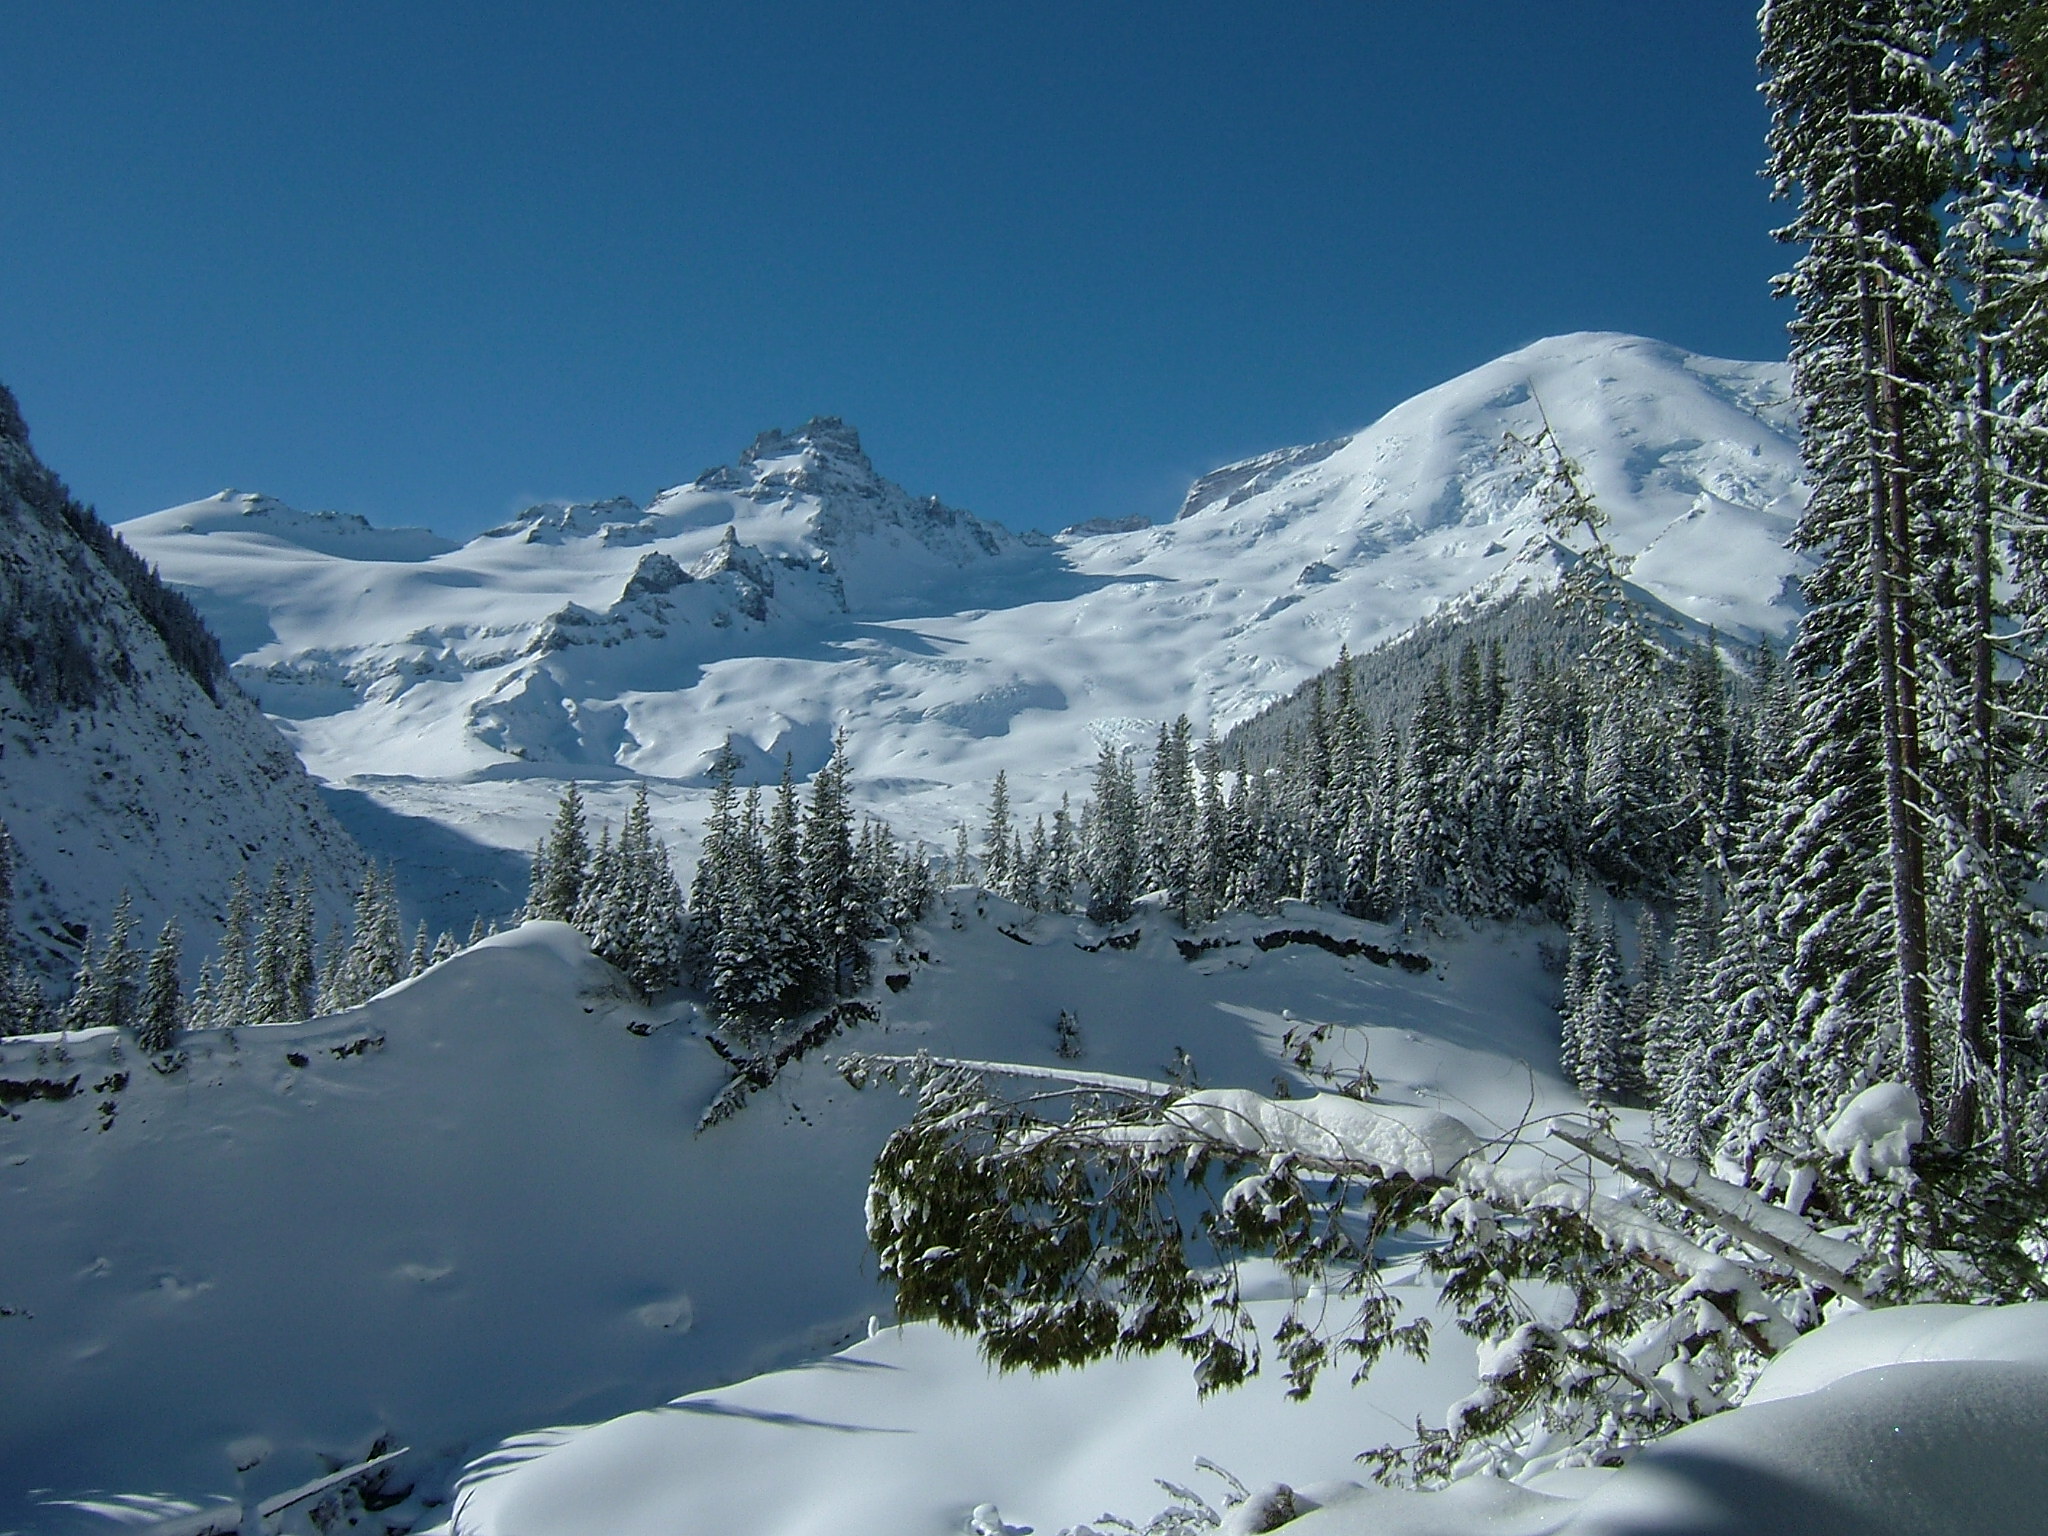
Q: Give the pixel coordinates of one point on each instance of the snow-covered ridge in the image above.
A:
(821, 594)
(125, 761)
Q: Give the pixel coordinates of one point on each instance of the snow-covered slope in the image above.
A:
(127, 758)
(798, 590)
(902, 1432)
(476, 1207)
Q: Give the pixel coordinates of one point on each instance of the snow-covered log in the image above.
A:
(1770, 1229)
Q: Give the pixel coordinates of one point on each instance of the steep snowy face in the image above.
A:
(128, 759)
(1694, 459)
(798, 590)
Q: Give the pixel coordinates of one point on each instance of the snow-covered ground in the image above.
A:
(1919, 1421)
(799, 590)
(477, 1207)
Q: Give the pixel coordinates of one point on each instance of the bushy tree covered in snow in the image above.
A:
(160, 1012)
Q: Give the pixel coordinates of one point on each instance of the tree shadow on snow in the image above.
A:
(717, 1409)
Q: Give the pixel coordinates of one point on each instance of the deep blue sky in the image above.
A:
(430, 261)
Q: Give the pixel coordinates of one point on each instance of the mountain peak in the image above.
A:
(822, 437)
(823, 455)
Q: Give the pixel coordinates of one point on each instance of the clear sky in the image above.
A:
(431, 261)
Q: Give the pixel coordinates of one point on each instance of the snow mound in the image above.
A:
(1876, 1130)
(1863, 1341)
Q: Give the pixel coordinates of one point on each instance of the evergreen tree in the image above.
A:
(160, 1015)
(1114, 852)
(231, 994)
(995, 838)
(601, 907)
(1060, 860)
(1857, 127)
(1170, 824)
(749, 976)
(913, 889)
(562, 862)
(716, 859)
(301, 965)
(200, 1013)
(269, 988)
(839, 922)
(375, 957)
(22, 1008)
(107, 984)
(652, 922)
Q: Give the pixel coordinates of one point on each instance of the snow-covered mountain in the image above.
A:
(128, 759)
(797, 591)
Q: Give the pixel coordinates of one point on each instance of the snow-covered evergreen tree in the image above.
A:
(107, 983)
(231, 989)
(995, 837)
(839, 922)
(22, 1008)
(269, 985)
(160, 1013)
(562, 862)
(1114, 849)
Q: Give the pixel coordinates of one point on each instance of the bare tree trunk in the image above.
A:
(1890, 578)
(1977, 1004)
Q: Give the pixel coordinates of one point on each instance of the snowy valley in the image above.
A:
(517, 1248)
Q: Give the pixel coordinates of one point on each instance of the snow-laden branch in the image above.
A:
(1329, 1131)
(1108, 1082)
(1627, 1229)
(1770, 1229)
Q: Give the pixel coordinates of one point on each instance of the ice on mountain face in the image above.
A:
(126, 760)
(1233, 483)
(825, 595)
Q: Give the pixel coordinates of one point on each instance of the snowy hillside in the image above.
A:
(127, 758)
(476, 1207)
(798, 590)
(889, 1435)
